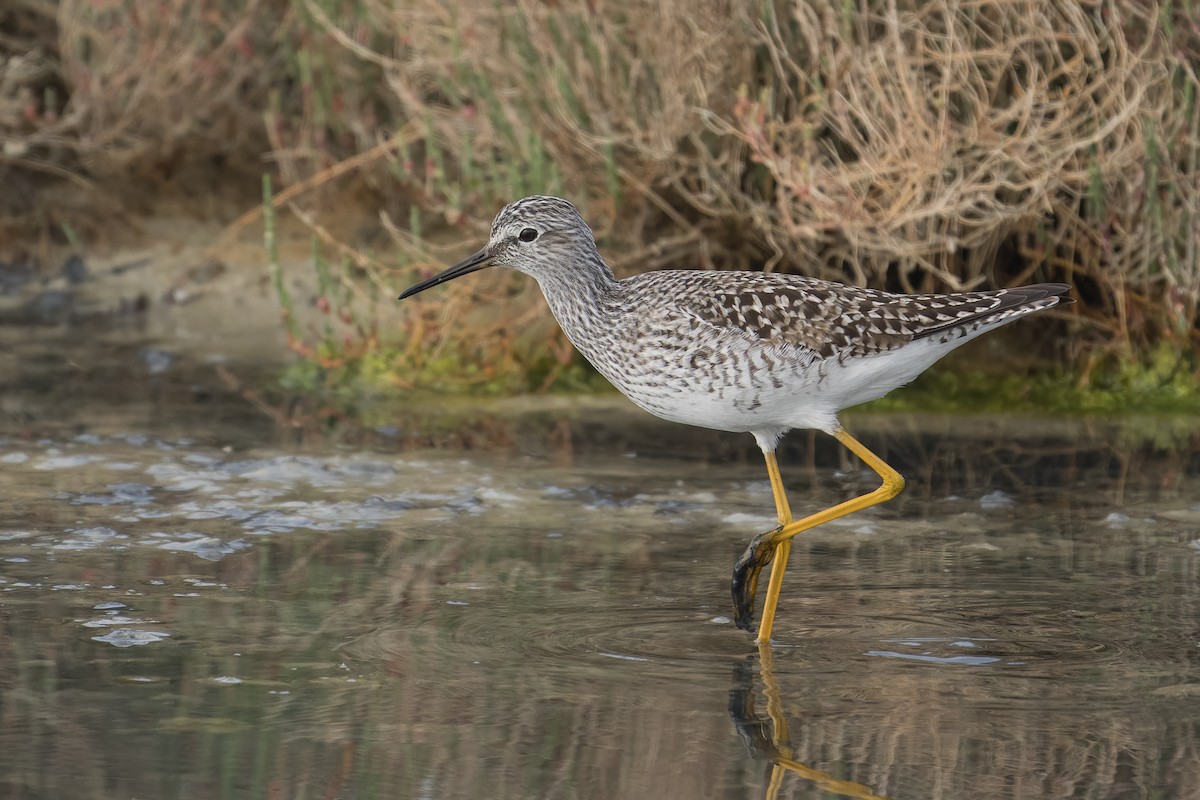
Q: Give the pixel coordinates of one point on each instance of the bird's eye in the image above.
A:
(527, 235)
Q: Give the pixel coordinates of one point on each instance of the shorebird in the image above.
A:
(751, 352)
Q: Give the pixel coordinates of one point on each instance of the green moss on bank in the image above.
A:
(1167, 382)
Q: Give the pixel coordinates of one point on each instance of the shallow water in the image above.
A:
(235, 614)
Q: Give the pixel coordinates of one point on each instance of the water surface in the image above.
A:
(196, 605)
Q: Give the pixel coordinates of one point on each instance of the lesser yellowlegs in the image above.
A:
(751, 352)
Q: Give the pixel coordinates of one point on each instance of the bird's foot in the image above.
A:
(744, 585)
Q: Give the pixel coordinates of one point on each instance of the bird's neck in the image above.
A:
(578, 295)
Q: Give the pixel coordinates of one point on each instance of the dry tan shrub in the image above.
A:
(943, 126)
(594, 100)
(156, 82)
(31, 131)
(911, 144)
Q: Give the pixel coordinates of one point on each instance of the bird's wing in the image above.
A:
(832, 319)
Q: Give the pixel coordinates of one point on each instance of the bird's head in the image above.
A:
(536, 235)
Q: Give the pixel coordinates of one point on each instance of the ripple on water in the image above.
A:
(117, 494)
(131, 637)
(89, 539)
(1015, 638)
(208, 548)
(935, 650)
(55, 461)
(572, 644)
(312, 471)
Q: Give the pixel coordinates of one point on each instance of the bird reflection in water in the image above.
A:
(767, 739)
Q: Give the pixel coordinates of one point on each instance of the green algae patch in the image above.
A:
(1167, 382)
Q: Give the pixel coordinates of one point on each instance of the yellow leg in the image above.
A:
(893, 482)
(782, 552)
(781, 502)
(776, 544)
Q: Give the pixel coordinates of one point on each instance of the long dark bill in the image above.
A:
(468, 265)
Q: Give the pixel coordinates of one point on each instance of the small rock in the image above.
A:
(75, 270)
(157, 361)
(996, 499)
